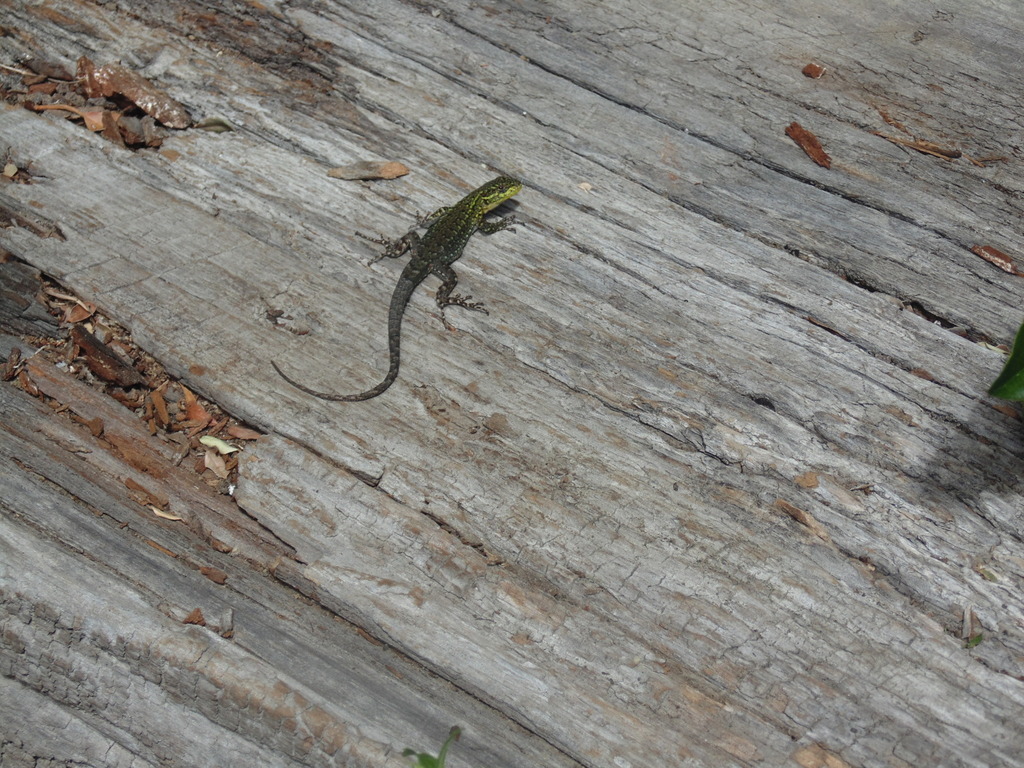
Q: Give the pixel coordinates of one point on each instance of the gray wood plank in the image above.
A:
(99, 665)
(701, 487)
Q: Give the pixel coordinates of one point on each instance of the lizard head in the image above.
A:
(497, 191)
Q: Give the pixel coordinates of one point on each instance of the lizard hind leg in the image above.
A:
(445, 297)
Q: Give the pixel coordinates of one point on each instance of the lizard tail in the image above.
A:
(387, 382)
(394, 355)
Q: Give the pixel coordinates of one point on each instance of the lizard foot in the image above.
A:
(392, 248)
(464, 301)
(490, 227)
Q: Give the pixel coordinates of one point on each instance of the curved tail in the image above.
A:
(394, 355)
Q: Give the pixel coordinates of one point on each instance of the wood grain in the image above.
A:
(715, 483)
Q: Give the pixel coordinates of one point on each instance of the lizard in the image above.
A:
(448, 232)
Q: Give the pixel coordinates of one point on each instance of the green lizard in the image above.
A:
(448, 231)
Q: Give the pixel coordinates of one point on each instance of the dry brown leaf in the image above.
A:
(997, 257)
(79, 312)
(160, 405)
(26, 383)
(10, 367)
(196, 414)
(102, 361)
(216, 575)
(243, 433)
(67, 310)
(45, 88)
(45, 68)
(116, 80)
(369, 169)
(93, 116)
(215, 463)
(111, 131)
(809, 143)
(193, 414)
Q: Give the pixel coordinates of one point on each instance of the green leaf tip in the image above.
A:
(425, 760)
(1009, 385)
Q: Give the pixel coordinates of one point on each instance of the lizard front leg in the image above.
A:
(490, 227)
(445, 297)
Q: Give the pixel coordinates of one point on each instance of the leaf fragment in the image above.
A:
(809, 143)
(369, 169)
(997, 257)
(160, 405)
(27, 384)
(195, 414)
(12, 365)
(116, 80)
(239, 432)
(165, 515)
(221, 446)
(102, 361)
(1009, 384)
(216, 464)
(92, 116)
(216, 575)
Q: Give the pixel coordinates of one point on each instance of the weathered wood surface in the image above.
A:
(575, 523)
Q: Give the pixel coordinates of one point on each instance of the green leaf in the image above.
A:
(425, 760)
(1009, 385)
(453, 735)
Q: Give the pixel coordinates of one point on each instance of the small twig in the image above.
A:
(925, 147)
(16, 70)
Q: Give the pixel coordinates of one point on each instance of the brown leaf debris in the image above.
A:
(102, 361)
(809, 143)
(997, 257)
(116, 80)
(368, 169)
